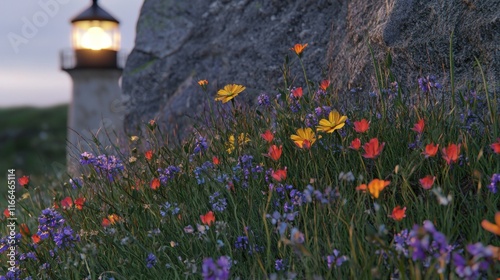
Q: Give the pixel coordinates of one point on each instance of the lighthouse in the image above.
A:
(95, 67)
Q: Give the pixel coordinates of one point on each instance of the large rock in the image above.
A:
(179, 42)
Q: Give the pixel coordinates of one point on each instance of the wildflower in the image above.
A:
(152, 125)
(279, 175)
(296, 241)
(148, 155)
(23, 181)
(66, 203)
(373, 148)
(304, 138)
(492, 227)
(299, 48)
(496, 146)
(361, 126)
(427, 182)
(324, 85)
(335, 121)
(335, 259)
(279, 265)
(430, 150)
(203, 84)
(481, 259)
(208, 218)
(86, 158)
(219, 204)
(229, 92)
(35, 238)
(242, 139)
(274, 152)
(268, 136)
(200, 145)
(376, 186)
(241, 242)
(495, 180)
(64, 238)
(263, 100)
(105, 222)
(426, 83)
(355, 144)
(168, 173)
(215, 160)
(25, 230)
(6, 212)
(451, 153)
(155, 183)
(79, 202)
(151, 260)
(297, 92)
(419, 126)
(216, 270)
(398, 213)
(113, 218)
(75, 183)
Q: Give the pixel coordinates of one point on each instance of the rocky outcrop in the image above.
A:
(243, 41)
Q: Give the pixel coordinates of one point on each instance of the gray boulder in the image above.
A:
(243, 41)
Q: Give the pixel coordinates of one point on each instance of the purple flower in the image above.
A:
(279, 265)
(87, 158)
(64, 238)
(495, 181)
(219, 204)
(335, 259)
(200, 145)
(427, 83)
(75, 183)
(241, 242)
(481, 259)
(151, 260)
(263, 100)
(168, 173)
(49, 222)
(216, 270)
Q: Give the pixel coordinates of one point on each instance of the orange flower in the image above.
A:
(324, 85)
(376, 186)
(355, 144)
(79, 202)
(113, 218)
(361, 126)
(215, 160)
(35, 238)
(427, 182)
(373, 148)
(297, 92)
(362, 187)
(66, 203)
(299, 48)
(398, 213)
(203, 83)
(451, 153)
(23, 181)
(274, 152)
(155, 183)
(419, 126)
(148, 155)
(25, 230)
(430, 150)
(208, 218)
(268, 136)
(492, 227)
(496, 146)
(279, 175)
(6, 212)
(105, 222)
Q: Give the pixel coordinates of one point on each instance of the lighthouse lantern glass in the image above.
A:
(96, 35)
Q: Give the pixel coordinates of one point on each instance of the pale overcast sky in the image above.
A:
(29, 70)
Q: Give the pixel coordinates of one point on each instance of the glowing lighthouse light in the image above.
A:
(95, 38)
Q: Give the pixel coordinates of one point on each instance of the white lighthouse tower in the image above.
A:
(96, 110)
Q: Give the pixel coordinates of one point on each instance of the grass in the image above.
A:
(253, 208)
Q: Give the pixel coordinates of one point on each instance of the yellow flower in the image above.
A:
(335, 121)
(229, 92)
(242, 139)
(304, 138)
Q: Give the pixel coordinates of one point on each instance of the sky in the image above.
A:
(33, 32)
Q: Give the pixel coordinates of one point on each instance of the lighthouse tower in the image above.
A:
(95, 67)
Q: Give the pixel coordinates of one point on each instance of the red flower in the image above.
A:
(148, 155)
(6, 212)
(419, 126)
(373, 148)
(25, 230)
(430, 150)
(297, 92)
(155, 183)
(324, 85)
(268, 136)
(427, 182)
(23, 181)
(496, 146)
(451, 153)
(398, 213)
(105, 222)
(361, 126)
(355, 144)
(79, 202)
(274, 152)
(208, 218)
(36, 239)
(279, 175)
(67, 203)
(215, 160)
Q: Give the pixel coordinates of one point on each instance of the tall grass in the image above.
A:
(214, 208)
